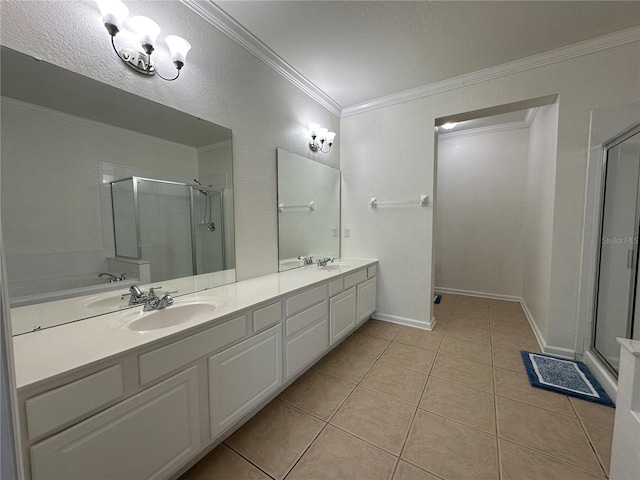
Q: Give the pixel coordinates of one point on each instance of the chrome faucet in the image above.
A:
(114, 278)
(136, 296)
(323, 262)
(306, 260)
(156, 303)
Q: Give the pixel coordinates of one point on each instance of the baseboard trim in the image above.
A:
(603, 376)
(471, 293)
(409, 322)
(549, 349)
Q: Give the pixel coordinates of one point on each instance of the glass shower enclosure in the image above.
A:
(177, 227)
(617, 305)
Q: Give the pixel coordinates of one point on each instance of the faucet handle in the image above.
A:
(152, 291)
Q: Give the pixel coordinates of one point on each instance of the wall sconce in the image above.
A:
(114, 13)
(320, 137)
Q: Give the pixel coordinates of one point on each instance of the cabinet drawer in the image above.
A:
(305, 299)
(148, 436)
(61, 406)
(336, 286)
(355, 278)
(266, 316)
(371, 271)
(166, 359)
(301, 320)
(305, 347)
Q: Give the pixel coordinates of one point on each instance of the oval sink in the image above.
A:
(336, 267)
(138, 320)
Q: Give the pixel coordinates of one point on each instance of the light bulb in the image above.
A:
(449, 125)
(113, 13)
(179, 48)
(330, 137)
(146, 29)
(313, 129)
(322, 133)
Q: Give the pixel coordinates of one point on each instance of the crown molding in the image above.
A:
(553, 56)
(220, 19)
(502, 127)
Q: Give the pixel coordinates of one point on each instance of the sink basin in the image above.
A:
(335, 267)
(180, 312)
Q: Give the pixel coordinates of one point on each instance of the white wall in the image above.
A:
(479, 222)
(543, 136)
(389, 153)
(221, 82)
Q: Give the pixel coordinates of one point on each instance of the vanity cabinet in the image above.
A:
(242, 376)
(306, 329)
(146, 436)
(366, 294)
(342, 314)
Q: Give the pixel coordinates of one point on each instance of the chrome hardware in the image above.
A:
(306, 260)
(157, 303)
(114, 278)
(323, 262)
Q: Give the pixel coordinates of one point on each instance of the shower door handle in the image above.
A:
(630, 259)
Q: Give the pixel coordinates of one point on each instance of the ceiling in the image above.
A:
(358, 51)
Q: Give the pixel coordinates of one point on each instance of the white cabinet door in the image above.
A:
(305, 346)
(366, 299)
(147, 436)
(242, 376)
(342, 314)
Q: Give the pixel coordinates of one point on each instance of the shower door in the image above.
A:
(618, 259)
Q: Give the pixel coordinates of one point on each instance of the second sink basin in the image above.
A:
(333, 267)
(180, 312)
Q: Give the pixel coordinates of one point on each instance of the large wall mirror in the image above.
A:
(308, 210)
(102, 189)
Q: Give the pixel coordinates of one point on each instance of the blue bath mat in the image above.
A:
(564, 376)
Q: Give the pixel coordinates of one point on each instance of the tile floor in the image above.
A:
(400, 403)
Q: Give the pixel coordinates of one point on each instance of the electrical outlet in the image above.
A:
(347, 232)
(334, 232)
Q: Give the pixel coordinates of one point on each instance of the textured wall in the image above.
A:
(391, 151)
(479, 224)
(221, 82)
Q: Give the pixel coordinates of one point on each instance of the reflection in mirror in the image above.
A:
(102, 189)
(308, 210)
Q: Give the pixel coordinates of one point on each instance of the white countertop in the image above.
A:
(45, 354)
(633, 346)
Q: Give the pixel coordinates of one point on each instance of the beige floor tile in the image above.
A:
(375, 418)
(459, 370)
(550, 433)
(474, 351)
(512, 327)
(451, 450)
(410, 357)
(468, 300)
(593, 412)
(365, 345)
(419, 338)
(395, 381)
(336, 455)
(516, 386)
(460, 403)
(511, 342)
(469, 321)
(469, 334)
(317, 393)
(224, 464)
(508, 358)
(344, 365)
(519, 463)
(276, 437)
(600, 435)
(470, 311)
(406, 471)
(379, 329)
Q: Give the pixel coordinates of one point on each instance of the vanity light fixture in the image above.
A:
(319, 138)
(114, 14)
